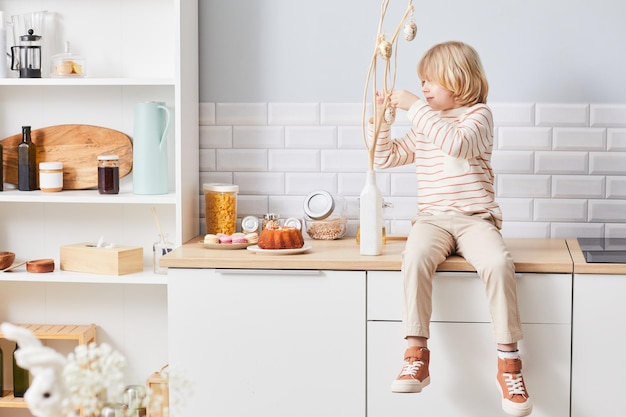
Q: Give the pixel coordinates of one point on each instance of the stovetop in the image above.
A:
(603, 250)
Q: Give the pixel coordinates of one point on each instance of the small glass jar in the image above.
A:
(326, 217)
(50, 176)
(270, 221)
(220, 208)
(160, 248)
(108, 174)
(67, 64)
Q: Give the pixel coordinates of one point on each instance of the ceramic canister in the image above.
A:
(150, 171)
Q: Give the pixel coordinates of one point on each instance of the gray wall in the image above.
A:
(319, 50)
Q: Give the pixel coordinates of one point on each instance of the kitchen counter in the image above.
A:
(582, 267)
(530, 255)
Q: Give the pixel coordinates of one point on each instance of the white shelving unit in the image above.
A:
(135, 51)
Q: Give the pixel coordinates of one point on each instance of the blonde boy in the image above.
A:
(450, 142)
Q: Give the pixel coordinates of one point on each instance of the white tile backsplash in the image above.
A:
(311, 137)
(560, 114)
(260, 137)
(610, 115)
(560, 167)
(293, 113)
(580, 139)
(573, 163)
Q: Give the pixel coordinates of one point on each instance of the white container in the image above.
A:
(50, 176)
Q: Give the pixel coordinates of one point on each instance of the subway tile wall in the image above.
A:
(560, 167)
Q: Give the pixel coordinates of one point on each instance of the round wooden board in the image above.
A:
(77, 147)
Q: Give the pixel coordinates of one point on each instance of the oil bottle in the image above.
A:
(26, 162)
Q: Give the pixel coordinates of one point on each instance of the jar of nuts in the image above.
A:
(220, 208)
(325, 216)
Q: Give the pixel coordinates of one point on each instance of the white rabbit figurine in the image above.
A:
(47, 394)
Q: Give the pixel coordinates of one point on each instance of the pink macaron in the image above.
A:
(225, 238)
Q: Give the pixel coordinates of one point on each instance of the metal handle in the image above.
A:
(303, 272)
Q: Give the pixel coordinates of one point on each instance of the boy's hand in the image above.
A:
(402, 99)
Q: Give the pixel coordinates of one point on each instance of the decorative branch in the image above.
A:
(385, 50)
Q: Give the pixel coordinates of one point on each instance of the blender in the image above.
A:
(28, 30)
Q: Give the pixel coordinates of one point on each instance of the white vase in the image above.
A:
(371, 217)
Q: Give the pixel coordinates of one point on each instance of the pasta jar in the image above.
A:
(51, 176)
(220, 208)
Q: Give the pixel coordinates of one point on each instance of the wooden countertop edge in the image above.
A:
(582, 267)
(531, 255)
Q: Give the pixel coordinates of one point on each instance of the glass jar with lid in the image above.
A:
(325, 215)
(220, 208)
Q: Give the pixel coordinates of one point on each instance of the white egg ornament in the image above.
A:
(410, 30)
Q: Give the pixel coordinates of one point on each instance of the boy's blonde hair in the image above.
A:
(456, 67)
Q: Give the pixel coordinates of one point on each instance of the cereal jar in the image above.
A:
(220, 207)
(325, 215)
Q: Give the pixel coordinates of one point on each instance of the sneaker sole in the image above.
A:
(409, 387)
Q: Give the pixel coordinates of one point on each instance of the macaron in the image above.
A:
(225, 238)
(211, 239)
(239, 238)
(252, 237)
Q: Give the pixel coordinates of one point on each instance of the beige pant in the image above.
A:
(431, 240)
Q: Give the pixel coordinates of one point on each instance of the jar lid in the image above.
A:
(293, 222)
(108, 157)
(220, 188)
(250, 224)
(319, 204)
(51, 165)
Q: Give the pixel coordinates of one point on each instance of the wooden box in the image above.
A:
(160, 393)
(86, 257)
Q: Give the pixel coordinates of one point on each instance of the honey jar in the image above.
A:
(220, 208)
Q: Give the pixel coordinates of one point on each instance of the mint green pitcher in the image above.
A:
(150, 172)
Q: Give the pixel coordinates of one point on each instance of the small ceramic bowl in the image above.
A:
(6, 259)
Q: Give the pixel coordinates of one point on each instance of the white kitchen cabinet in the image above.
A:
(598, 333)
(277, 343)
(130, 59)
(463, 352)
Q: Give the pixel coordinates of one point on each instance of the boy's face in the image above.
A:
(438, 97)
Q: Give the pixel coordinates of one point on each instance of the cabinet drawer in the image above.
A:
(460, 297)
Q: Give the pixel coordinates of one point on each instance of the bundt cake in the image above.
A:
(281, 238)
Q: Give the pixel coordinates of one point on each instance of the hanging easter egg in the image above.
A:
(390, 115)
(384, 49)
(410, 30)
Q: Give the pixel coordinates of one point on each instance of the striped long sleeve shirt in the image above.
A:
(451, 151)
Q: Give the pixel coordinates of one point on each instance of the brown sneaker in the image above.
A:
(414, 375)
(515, 399)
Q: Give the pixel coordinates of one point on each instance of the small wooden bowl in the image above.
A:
(6, 259)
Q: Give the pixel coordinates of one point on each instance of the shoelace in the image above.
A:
(411, 368)
(515, 384)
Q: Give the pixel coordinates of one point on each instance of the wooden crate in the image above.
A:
(81, 333)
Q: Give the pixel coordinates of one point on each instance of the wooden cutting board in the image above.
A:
(77, 146)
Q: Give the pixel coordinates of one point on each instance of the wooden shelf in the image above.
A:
(82, 333)
(9, 401)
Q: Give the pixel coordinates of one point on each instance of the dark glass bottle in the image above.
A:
(26, 162)
(21, 378)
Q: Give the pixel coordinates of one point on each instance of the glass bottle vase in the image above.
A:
(371, 217)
